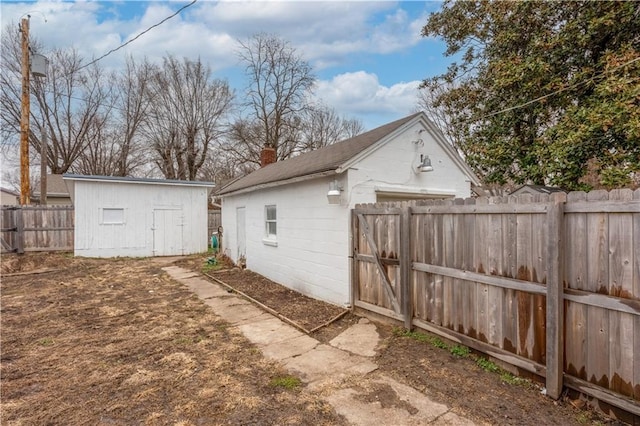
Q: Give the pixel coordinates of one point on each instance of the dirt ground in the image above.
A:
(90, 341)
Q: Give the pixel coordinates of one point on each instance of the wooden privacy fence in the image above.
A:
(549, 284)
(36, 228)
(214, 220)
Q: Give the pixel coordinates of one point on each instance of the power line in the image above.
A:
(138, 36)
(564, 89)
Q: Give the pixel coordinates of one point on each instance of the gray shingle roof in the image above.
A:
(321, 160)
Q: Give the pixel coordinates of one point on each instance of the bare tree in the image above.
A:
(117, 149)
(71, 104)
(279, 84)
(187, 112)
(323, 126)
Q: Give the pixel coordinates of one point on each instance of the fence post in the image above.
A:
(405, 265)
(555, 294)
(355, 295)
(19, 221)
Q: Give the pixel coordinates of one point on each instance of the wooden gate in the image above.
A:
(380, 243)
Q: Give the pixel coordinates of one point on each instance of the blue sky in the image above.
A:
(368, 56)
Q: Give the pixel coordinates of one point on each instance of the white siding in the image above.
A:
(394, 166)
(312, 252)
(135, 237)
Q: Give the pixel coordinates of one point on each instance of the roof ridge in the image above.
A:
(321, 160)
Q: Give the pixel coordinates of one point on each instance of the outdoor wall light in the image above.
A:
(425, 164)
(334, 192)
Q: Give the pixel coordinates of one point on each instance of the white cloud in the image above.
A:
(360, 94)
(328, 34)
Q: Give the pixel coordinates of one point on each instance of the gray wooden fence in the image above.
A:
(36, 228)
(214, 220)
(549, 284)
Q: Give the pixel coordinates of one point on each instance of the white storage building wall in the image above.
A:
(310, 253)
(139, 219)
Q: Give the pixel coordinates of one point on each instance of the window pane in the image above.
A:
(271, 228)
(271, 212)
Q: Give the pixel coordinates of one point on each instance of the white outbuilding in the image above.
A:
(289, 220)
(121, 216)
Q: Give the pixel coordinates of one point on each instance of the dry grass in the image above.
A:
(118, 342)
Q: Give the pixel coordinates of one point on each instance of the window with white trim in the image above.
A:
(112, 216)
(270, 223)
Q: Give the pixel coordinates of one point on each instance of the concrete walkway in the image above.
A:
(342, 372)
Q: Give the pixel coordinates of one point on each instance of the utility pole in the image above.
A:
(25, 190)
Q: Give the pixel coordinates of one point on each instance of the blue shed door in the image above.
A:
(168, 225)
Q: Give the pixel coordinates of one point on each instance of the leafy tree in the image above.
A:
(543, 90)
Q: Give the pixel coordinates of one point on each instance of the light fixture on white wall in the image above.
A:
(334, 192)
(425, 164)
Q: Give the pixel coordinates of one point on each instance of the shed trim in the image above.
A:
(121, 179)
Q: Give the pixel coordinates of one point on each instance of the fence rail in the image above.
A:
(550, 284)
(36, 228)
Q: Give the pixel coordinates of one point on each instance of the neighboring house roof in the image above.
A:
(330, 159)
(532, 189)
(10, 192)
(55, 187)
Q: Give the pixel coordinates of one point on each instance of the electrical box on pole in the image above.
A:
(39, 64)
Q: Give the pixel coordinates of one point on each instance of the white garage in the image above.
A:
(121, 216)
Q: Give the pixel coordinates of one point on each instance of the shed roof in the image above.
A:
(121, 179)
(326, 159)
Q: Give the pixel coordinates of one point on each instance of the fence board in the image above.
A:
(510, 269)
(621, 325)
(575, 276)
(470, 262)
(481, 265)
(448, 235)
(458, 263)
(636, 295)
(495, 295)
(539, 223)
(597, 282)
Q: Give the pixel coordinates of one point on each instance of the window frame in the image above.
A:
(270, 224)
(110, 220)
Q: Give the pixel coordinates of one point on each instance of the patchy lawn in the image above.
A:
(115, 341)
(118, 342)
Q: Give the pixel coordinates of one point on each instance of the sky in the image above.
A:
(368, 56)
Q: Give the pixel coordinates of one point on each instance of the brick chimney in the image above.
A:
(267, 156)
